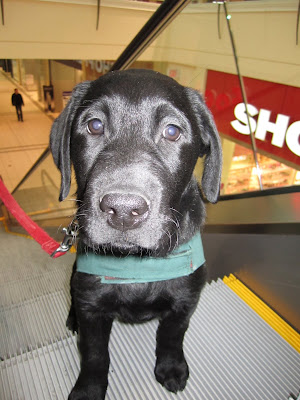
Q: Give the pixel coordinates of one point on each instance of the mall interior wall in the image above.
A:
(36, 29)
(264, 33)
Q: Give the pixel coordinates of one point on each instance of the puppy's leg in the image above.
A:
(71, 320)
(94, 334)
(171, 368)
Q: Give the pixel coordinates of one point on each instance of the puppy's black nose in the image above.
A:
(124, 211)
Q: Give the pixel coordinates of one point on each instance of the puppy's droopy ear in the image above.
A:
(210, 147)
(61, 135)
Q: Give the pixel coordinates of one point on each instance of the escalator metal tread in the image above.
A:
(233, 353)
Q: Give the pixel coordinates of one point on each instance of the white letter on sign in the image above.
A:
(278, 128)
(241, 115)
(292, 138)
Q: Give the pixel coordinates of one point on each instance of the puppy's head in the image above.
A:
(134, 138)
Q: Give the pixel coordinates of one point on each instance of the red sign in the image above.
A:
(274, 112)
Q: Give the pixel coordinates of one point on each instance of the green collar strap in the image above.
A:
(132, 269)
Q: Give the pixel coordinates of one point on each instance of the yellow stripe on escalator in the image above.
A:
(265, 312)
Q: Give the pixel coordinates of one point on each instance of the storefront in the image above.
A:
(274, 117)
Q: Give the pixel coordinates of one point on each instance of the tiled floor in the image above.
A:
(21, 143)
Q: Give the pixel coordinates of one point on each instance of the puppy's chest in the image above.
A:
(135, 303)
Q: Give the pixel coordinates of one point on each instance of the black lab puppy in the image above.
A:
(133, 138)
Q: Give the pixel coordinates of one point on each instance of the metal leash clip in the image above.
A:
(69, 239)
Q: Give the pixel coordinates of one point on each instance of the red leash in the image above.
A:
(48, 244)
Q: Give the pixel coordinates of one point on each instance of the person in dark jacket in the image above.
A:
(17, 101)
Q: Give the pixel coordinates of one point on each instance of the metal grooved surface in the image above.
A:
(232, 354)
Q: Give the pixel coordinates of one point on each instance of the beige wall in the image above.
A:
(62, 30)
(264, 32)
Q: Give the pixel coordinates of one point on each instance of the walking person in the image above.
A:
(17, 101)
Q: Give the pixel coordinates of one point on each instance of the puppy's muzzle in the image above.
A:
(124, 211)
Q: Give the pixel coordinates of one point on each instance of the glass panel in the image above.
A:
(38, 196)
(196, 51)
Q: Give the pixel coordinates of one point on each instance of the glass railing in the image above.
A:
(38, 195)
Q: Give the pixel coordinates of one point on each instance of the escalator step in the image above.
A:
(233, 353)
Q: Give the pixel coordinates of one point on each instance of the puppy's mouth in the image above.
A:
(119, 248)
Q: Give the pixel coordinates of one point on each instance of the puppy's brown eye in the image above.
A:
(95, 127)
(171, 132)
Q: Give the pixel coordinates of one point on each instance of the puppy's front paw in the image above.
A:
(172, 374)
(72, 322)
(78, 395)
(88, 392)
